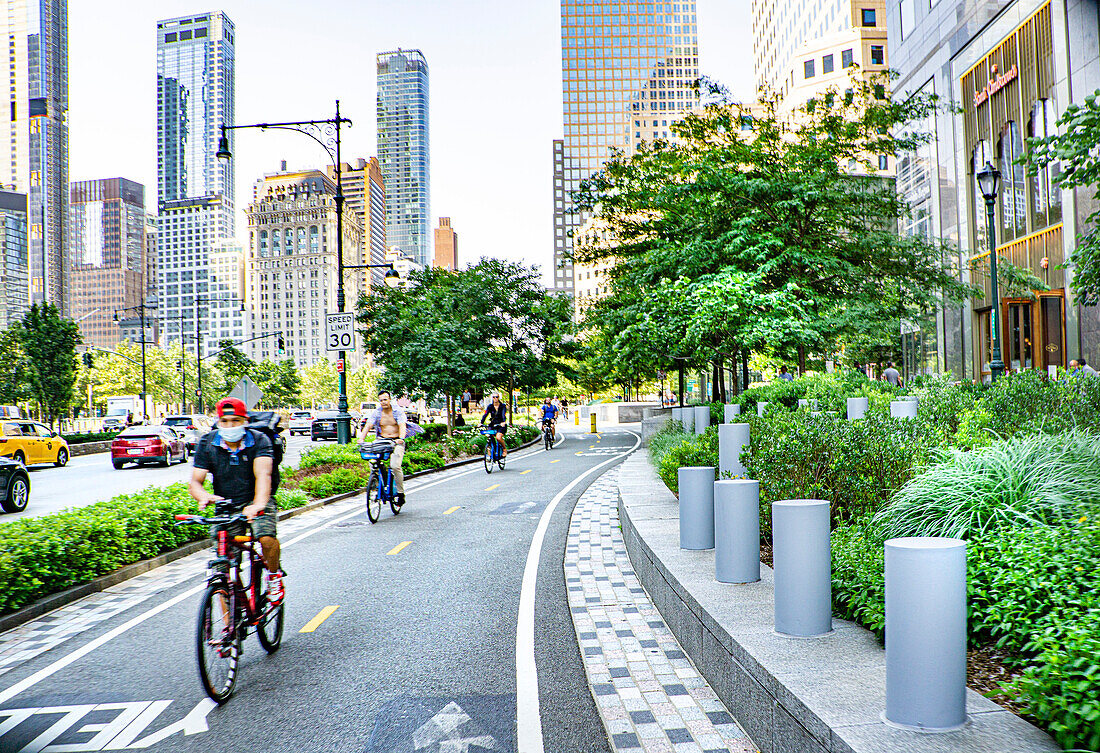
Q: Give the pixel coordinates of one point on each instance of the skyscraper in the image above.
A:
(365, 195)
(403, 148)
(13, 258)
(446, 245)
(195, 95)
(107, 225)
(628, 70)
(37, 35)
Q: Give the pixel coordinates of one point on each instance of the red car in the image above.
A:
(148, 444)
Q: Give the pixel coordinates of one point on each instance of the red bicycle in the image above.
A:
(229, 608)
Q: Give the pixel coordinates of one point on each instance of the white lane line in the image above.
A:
(32, 680)
(528, 715)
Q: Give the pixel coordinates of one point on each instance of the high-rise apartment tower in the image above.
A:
(107, 225)
(403, 149)
(195, 95)
(36, 33)
(13, 258)
(628, 71)
(365, 196)
(446, 245)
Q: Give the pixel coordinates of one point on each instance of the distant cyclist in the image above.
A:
(241, 461)
(549, 415)
(497, 414)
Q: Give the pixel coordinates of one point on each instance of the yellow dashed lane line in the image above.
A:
(525, 472)
(397, 549)
(494, 486)
(448, 512)
(315, 623)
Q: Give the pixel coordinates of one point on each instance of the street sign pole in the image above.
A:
(340, 338)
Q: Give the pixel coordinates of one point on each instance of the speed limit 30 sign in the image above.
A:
(339, 332)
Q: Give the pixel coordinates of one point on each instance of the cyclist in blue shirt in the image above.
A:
(549, 414)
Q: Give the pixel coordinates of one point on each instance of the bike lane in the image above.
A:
(413, 644)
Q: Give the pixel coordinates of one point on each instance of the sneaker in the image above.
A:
(275, 591)
(400, 500)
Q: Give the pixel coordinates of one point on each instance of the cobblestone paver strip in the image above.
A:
(649, 694)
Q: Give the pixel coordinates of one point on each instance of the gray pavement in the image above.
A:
(419, 654)
(91, 478)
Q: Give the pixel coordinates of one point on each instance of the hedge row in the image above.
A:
(44, 555)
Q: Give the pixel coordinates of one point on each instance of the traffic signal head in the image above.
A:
(179, 365)
(282, 345)
(87, 359)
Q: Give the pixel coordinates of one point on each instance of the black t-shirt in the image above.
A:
(235, 482)
(497, 416)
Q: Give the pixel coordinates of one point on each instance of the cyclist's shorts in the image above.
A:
(501, 429)
(265, 525)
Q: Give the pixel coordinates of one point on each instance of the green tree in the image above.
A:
(363, 385)
(1070, 159)
(49, 342)
(232, 364)
(731, 239)
(319, 382)
(279, 382)
(14, 374)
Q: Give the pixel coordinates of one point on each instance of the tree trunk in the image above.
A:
(680, 379)
(802, 360)
(450, 415)
(745, 367)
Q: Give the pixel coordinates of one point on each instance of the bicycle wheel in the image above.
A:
(374, 498)
(219, 650)
(270, 629)
(489, 455)
(500, 456)
(548, 438)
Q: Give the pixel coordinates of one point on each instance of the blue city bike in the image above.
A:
(380, 486)
(494, 450)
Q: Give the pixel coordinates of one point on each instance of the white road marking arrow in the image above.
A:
(443, 733)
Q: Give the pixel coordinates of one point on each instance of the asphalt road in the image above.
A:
(420, 650)
(92, 478)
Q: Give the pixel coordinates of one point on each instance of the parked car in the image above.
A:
(148, 444)
(15, 486)
(323, 426)
(191, 426)
(300, 421)
(30, 443)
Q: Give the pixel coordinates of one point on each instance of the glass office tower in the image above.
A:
(37, 34)
(195, 95)
(628, 70)
(403, 149)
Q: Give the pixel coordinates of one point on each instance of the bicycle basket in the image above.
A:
(377, 449)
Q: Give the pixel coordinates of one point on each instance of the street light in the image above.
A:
(144, 391)
(989, 179)
(327, 134)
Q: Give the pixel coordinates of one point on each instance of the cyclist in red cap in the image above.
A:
(241, 461)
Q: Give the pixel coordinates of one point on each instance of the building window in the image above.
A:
(878, 54)
(746, 123)
(808, 68)
(827, 64)
(981, 233)
(1046, 197)
(883, 162)
(846, 59)
(908, 12)
(868, 16)
(288, 242)
(263, 243)
(1013, 192)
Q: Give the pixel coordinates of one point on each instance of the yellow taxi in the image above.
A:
(28, 442)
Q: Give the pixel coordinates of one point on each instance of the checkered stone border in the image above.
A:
(649, 694)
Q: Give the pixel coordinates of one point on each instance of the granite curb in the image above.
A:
(89, 448)
(820, 695)
(103, 582)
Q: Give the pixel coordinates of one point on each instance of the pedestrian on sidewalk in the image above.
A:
(892, 375)
(785, 375)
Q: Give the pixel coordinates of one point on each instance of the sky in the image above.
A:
(495, 89)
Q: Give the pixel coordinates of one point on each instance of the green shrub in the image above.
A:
(829, 390)
(421, 460)
(339, 481)
(95, 436)
(859, 581)
(687, 450)
(331, 454)
(41, 556)
(1025, 480)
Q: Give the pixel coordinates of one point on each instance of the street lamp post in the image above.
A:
(144, 390)
(988, 181)
(327, 134)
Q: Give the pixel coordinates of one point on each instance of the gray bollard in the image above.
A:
(803, 567)
(688, 419)
(702, 418)
(760, 408)
(730, 412)
(926, 633)
(857, 407)
(732, 440)
(903, 408)
(803, 403)
(737, 530)
(677, 414)
(696, 507)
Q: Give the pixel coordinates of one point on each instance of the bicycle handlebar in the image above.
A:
(215, 521)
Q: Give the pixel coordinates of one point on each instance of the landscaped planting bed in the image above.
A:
(1012, 469)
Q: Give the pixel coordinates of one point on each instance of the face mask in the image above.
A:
(231, 434)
